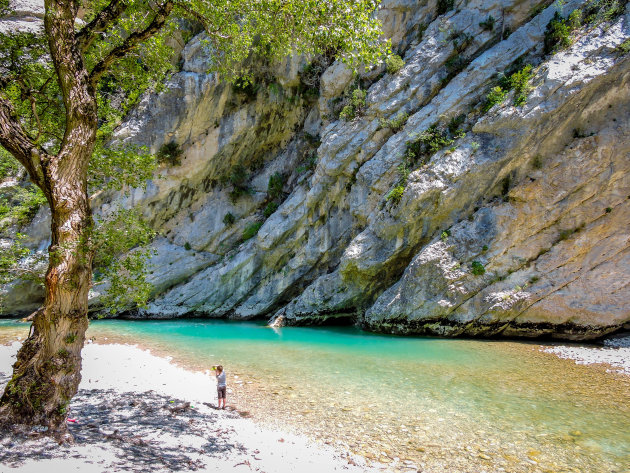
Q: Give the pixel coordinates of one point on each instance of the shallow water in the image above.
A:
(434, 404)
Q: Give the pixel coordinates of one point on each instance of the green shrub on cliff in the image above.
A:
(494, 97)
(356, 105)
(624, 48)
(488, 23)
(229, 219)
(251, 230)
(395, 195)
(396, 123)
(21, 206)
(8, 165)
(557, 34)
(270, 209)
(274, 187)
(427, 143)
(444, 5)
(520, 83)
(477, 268)
(169, 153)
(394, 63)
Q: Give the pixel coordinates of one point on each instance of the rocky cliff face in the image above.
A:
(433, 210)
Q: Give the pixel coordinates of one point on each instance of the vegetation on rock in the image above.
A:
(356, 105)
(394, 64)
(488, 23)
(395, 124)
(169, 153)
(477, 268)
(251, 230)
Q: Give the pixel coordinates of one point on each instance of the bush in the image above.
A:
(537, 162)
(354, 108)
(358, 98)
(309, 164)
(574, 20)
(8, 165)
(245, 86)
(238, 179)
(488, 23)
(394, 63)
(557, 34)
(274, 187)
(395, 195)
(187, 246)
(477, 268)
(429, 142)
(229, 219)
(169, 153)
(270, 209)
(455, 64)
(396, 123)
(455, 123)
(624, 48)
(461, 40)
(347, 113)
(237, 176)
(251, 230)
(494, 97)
(596, 11)
(520, 82)
(24, 205)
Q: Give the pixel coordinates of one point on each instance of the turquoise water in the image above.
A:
(463, 405)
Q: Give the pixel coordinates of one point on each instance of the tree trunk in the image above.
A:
(47, 372)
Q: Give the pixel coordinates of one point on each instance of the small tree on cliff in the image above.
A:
(64, 90)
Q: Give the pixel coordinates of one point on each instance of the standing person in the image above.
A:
(221, 385)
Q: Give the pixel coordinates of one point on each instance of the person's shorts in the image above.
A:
(221, 392)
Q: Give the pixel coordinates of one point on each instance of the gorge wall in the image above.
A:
(440, 208)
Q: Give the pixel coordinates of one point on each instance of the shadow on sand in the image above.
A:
(143, 432)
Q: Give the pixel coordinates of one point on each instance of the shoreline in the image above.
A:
(118, 369)
(136, 411)
(613, 354)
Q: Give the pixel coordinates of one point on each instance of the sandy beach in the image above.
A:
(139, 412)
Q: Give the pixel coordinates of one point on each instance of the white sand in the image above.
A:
(128, 369)
(616, 354)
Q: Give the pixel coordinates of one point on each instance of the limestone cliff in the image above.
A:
(435, 207)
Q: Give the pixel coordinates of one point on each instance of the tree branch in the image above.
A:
(133, 40)
(200, 18)
(100, 23)
(15, 140)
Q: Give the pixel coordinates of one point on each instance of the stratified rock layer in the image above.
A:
(518, 228)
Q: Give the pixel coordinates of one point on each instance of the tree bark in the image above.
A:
(47, 372)
(48, 368)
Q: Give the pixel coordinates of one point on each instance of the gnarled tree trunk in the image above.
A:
(47, 372)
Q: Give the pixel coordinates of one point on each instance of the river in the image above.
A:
(472, 405)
